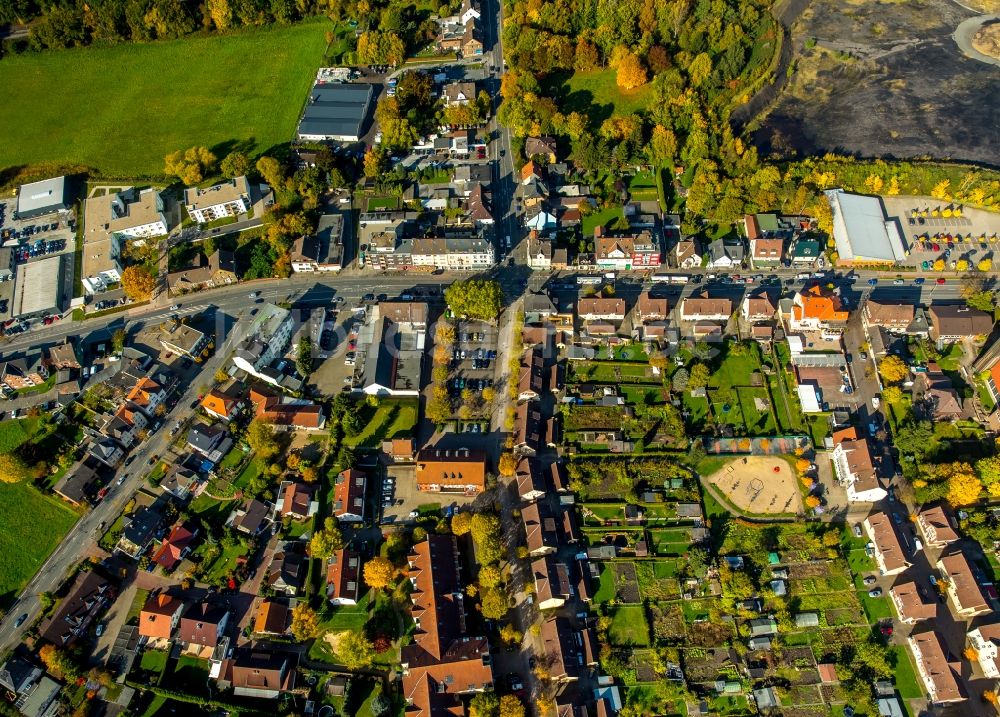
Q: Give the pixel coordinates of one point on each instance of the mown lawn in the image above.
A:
(15, 433)
(392, 419)
(629, 626)
(31, 526)
(138, 102)
(601, 88)
(604, 218)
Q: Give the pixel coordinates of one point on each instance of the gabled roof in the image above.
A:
(343, 575)
(560, 648)
(960, 320)
(451, 467)
(540, 527)
(819, 304)
(603, 307)
(200, 624)
(156, 617)
(171, 550)
(958, 572)
(349, 493)
(297, 499)
(271, 618)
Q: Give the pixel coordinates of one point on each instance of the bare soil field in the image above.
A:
(885, 79)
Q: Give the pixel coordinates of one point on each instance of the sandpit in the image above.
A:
(764, 485)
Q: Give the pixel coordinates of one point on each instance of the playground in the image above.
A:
(760, 485)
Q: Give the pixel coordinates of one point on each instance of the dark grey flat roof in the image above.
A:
(336, 109)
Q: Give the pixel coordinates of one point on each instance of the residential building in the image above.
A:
(862, 231)
(250, 517)
(539, 252)
(758, 306)
(259, 674)
(107, 451)
(817, 309)
(139, 531)
(212, 442)
(561, 651)
(25, 372)
(686, 254)
(79, 484)
(203, 627)
(890, 316)
(911, 605)
(458, 93)
(286, 573)
(219, 269)
(856, 468)
(985, 640)
(472, 44)
(624, 253)
(159, 618)
(703, 308)
(33, 693)
(937, 673)
(766, 253)
(540, 528)
(228, 199)
(530, 480)
(528, 428)
(147, 395)
(272, 618)
(286, 413)
(940, 399)
(343, 577)
(175, 547)
(179, 481)
(889, 552)
(806, 253)
(349, 496)
(296, 500)
(263, 340)
(443, 661)
(963, 585)
(937, 526)
(544, 147)
(63, 356)
(951, 323)
(322, 251)
(109, 221)
(444, 470)
(125, 424)
(612, 309)
(72, 617)
(531, 377)
(222, 402)
(725, 255)
(469, 253)
(552, 586)
(182, 339)
(394, 356)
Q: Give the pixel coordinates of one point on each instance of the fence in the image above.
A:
(761, 446)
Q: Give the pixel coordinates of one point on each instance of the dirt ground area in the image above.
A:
(759, 484)
(879, 79)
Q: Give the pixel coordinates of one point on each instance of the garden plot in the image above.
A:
(657, 579)
(626, 582)
(668, 622)
(706, 633)
(629, 627)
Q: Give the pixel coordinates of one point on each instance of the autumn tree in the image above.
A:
(988, 470)
(586, 57)
(59, 662)
(963, 486)
(490, 576)
(486, 534)
(985, 264)
(326, 541)
(305, 622)
(222, 15)
(939, 265)
(138, 282)
(493, 604)
(892, 394)
(484, 704)
(374, 162)
(235, 164)
(260, 437)
(189, 165)
(508, 464)
(892, 369)
(461, 523)
(355, 650)
(699, 377)
(379, 572)
(631, 72)
(812, 501)
(511, 706)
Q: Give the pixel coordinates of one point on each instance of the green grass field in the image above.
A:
(121, 109)
(392, 419)
(601, 88)
(629, 626)
(31, 526)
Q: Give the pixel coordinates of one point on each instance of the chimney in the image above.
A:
(598, 231)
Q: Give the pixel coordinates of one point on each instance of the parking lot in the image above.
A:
(473, 365)
(935, 230)
(400, 500)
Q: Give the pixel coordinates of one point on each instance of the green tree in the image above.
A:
(916, 438)
(272, 172)
(118, 341)
(982, 300)
(235, 164)
(303, 357)
(475, 298)
(355, 650)
(988, 470)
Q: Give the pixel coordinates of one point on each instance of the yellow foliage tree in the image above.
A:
(631, 72)
(802, 465)
(985, 265)
(812, 501)
(461, 523)
(939, 265)
(892, 369)
(189, 165)
(964, 487)
(508, 464)
(138, 282)
(378, 572)
(305, 622)
(12, 468)
(962, 265)
(510, 706)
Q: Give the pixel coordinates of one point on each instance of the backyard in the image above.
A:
(210, 91)
(393, 418)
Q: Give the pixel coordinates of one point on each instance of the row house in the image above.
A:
(912, 604)
(444, 662)
(349, 496)
(530, 480)
(652, 318)
(568, 652)
(937, 526)
(541, 529)
(24, 372)
(893, 317)
(938, 673)
(72, 617)
(985, 641)
(531, 375)
(552, 584)
(623, 253)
